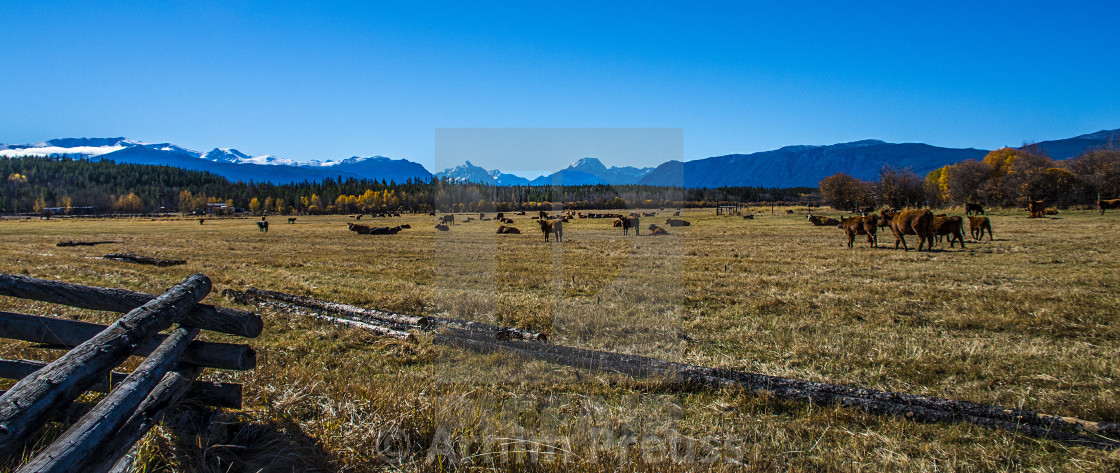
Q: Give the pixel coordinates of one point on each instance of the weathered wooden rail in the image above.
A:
(1102, 435)
(135, 401)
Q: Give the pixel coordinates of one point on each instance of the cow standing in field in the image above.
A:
(912, 222)
(447, 219)
(626, 223)
(976, 226)
(1036, 208)
(203, 220)
(552, 226)
(951, 227)
(1108, 204)
(291, 220)
(970, 209)
(262, 226)
(868, 225)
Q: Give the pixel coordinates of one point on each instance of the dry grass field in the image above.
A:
(1028, 320)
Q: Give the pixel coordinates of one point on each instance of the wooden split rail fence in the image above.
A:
(100, 439)
(483, 338)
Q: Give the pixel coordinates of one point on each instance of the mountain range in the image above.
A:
(791, 166)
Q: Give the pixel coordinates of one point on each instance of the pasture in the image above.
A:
(1027, 320)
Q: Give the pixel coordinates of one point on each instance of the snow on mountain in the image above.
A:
(469, 173)
(84, 147)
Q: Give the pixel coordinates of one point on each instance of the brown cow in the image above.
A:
(626, 223)
(443, 228)
(203, 220)
(953, 227)
(970, 208)
(360, 229)
(552, 226)
(823, 222)
(976, 226)
(656, 230)
(1108, 204)
(913, 222)
(868, 225)
(674, 222)
(505, 229)
(1036, 208)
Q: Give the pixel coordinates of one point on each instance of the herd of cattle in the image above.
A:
(922, 223)
(918, 222)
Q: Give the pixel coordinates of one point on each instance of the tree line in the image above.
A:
(1007, 177)
(61, 184)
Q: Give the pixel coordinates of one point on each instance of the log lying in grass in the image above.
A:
(918, 408)
(205, 392)
(394, 320)
(62, 333)
(26, 406)
(82, 243)
(341, 309)
(204, 316)
(379, 329)
(144, 259)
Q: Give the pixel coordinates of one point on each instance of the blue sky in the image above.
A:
(321, 80)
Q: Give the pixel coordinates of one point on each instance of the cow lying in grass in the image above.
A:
(552, 226)
(976, 226)
(823, 221)
(949, 226)
(912, 222)
(505, 229)
(291, 220)
(674, 222)
(359, 229)
(656, 230)
(858, 225)
(443, 228)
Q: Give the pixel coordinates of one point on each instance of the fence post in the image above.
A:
(25, 407)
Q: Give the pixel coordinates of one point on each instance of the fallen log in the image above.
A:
(342, 309)
(203, 316)
(26, 406)
(85, 441)
(296, 309)
(83, 243)
(62, 333)
(912, 407)
(131, 258)
(404, 321)
(205, 392)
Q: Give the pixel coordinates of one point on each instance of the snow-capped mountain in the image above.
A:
(227, 162)
(592, 171)
(468, 172)
(83, 147)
